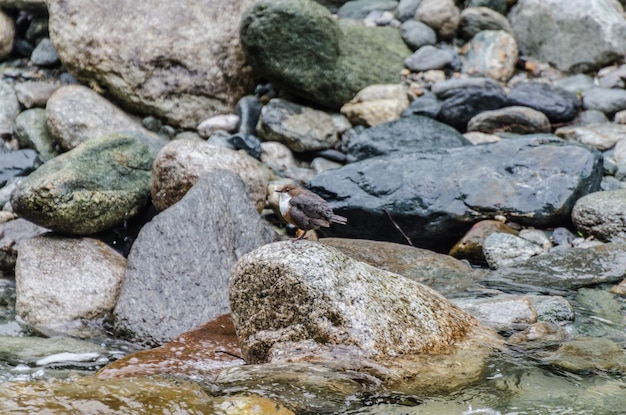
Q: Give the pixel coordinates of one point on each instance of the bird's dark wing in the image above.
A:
(314, 208)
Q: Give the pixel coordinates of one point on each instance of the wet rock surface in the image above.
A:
(409, 189)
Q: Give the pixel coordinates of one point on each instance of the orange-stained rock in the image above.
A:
(202, 352)
(470, 246)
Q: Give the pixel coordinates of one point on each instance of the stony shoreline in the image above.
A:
(141, 153)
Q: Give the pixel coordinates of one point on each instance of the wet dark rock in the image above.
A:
(96, 186)
(429, 57)
(206, 232)
(516, 119)
(248, 110)
(417, 34)
(427, 104)
(360, 9)
(408, 134)
(435, 195)
(330, 74)
(558, 104)
(563, 269)
(247, 142)
(17, 163)
(463, 99)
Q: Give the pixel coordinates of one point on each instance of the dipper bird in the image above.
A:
(306, 210)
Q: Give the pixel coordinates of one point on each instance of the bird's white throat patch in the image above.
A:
(283, 203)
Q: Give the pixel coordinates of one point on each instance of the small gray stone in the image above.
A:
(601, 136)
(429, 57)
(536, 236)
(417, 34)
(503, 249)
(553, 308)
(576, 84)
(547, 29)
(607, 100)
(300, 128)
(360, 9)
(441, 15)
(35, 94)
(602, 214)
(9, 109)
(563, 269)
(31, 131)
(500, 312)
(45, 54)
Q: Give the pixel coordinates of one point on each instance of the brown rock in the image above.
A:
(179, 164)
(202, 352)
(470, 246)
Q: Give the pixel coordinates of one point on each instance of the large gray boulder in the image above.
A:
(309, 301)
(575, 36)
(301, 48)
(179, 265)
(96, 186)
(180, 61)
(434, 196)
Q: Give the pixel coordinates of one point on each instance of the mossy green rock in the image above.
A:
(93, 187)
(302, 49)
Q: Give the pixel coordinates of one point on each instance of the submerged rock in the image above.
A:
(565, 269)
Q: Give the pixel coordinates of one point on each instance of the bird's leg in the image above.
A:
(299, 237)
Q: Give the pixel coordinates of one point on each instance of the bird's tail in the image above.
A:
(338, 219)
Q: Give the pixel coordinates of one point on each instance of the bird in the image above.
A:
(306, 210)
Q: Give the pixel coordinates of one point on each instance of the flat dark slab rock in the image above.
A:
(435, 196)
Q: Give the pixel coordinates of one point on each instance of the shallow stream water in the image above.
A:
(516, 381)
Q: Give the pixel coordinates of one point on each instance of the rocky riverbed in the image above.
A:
(477, 149)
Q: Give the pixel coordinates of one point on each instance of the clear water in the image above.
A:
(515, 382)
